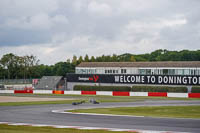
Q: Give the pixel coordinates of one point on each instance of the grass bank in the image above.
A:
(28, 129)
(153, 111)
(83, 97)
(37, 103)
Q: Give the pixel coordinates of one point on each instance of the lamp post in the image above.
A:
(65, 83)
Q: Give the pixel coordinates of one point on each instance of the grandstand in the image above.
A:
(50, 83)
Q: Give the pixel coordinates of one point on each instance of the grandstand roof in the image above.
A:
(142, 64)
(48, 82)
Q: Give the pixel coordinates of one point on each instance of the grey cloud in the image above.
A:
(80, 26)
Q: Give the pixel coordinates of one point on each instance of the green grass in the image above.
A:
(83, 97)
(37, 103)
(28, 129)
(153, 111)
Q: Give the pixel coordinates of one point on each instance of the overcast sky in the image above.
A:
(54, 30)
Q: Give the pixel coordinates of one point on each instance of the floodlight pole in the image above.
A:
(65, 83)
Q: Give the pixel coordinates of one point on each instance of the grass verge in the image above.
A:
(83, 97)
(29, 129)
(37, 103)
(153, 111)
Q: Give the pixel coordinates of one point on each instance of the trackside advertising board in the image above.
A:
(135, 79)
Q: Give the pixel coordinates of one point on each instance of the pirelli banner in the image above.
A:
(135, 79)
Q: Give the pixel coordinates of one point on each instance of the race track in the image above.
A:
(42, 114)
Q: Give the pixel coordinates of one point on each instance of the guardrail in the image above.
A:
(107, 93)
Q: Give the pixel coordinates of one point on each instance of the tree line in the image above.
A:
(28, 67)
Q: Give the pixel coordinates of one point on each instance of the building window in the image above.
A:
(116, 71)
(123, 71)
(142, 71)
(165, 71)
(106, 71)
(110, 71)
(148, 71)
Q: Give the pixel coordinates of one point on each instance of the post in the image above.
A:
(65, 83)
(189, 89)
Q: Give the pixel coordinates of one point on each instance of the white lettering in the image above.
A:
(165, 80)
(148, 79)
(189, 80)
(195, 80)
(153, 79)
(159, 79)
(138, 79)
(179, 80)
(142, 79)
(116, 78)
(121, 79)
(128, 79)
(184, 80)
(171, 80)
(132, 79)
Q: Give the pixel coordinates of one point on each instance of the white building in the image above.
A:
(143, 68)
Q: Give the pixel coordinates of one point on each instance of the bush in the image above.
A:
(196, 89)
(102, 88)
(158, 89)
(136, 88)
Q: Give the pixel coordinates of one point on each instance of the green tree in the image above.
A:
(80, 59)
(132, 59)
(86, 59)
(92, 59)
(74, 60)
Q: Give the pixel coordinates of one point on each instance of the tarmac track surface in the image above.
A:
(42, 114)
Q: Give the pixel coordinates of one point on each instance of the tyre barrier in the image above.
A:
(108, 93)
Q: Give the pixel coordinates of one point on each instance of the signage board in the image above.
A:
(135, 79)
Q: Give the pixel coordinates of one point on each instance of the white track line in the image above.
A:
(87, 128)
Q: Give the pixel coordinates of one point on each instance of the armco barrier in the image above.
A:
(72, 92)
(105, 93)
(157, 94)
(7, 91)
(88, 92)
(138, 93)
(177, 95)
(194, 95)
(58, 92)
(23, 91)
(110, 93)
(119, 93)
(42, 92)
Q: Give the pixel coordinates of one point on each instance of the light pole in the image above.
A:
(65, 83)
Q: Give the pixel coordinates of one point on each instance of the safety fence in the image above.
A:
(107, 93)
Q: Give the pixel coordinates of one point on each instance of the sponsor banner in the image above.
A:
(88, 92)
(135, 79)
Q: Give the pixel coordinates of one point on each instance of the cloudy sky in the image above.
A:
(54, 30)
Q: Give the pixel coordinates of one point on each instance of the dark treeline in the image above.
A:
(27, 67)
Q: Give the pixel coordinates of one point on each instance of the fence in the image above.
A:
(15, 81)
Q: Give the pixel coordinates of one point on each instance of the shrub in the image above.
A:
(158, 89)
(196, 89)
(102, 88)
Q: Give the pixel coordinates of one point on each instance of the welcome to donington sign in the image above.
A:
(135, 79)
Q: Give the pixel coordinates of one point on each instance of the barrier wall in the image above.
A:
(58, 92)
(194, 95)
(177, 95)
(105, 93)
(119, 93)
(72, 92)
(23, 91)
(88, 92)
(7, 91)
(157, 94)
(42, 92)
(108, 93)
(138, 93)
